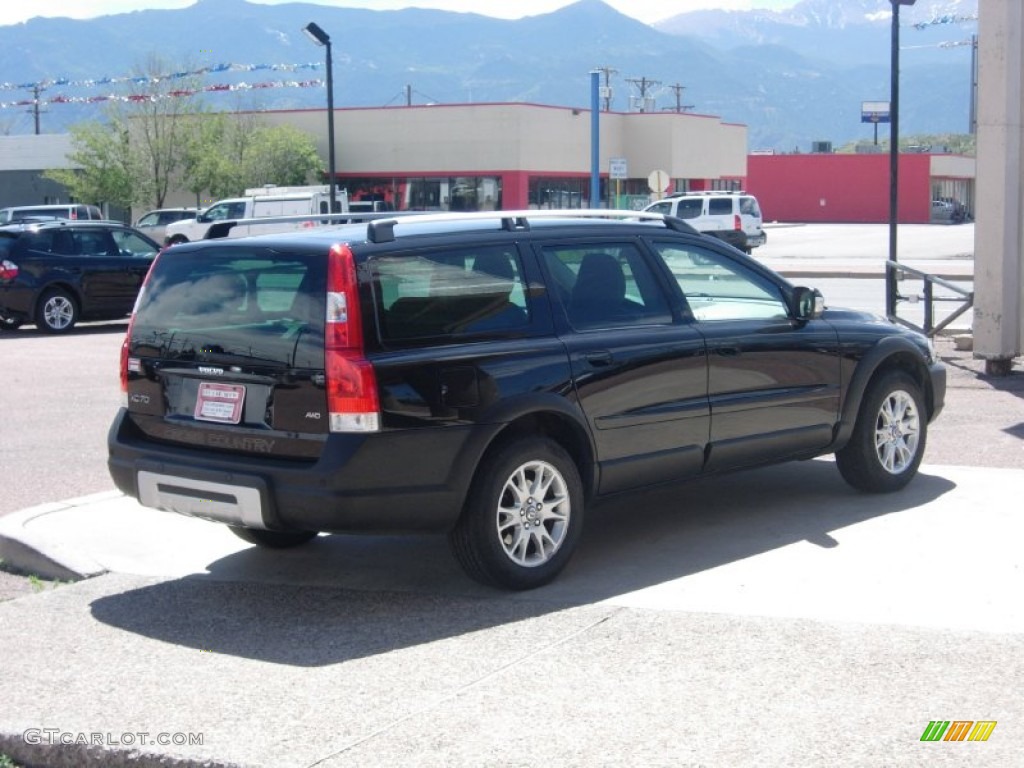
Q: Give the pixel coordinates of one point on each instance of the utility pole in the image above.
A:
(643, 85)
(35, 111)
(680, 107)
(408, 95)
(606, 91)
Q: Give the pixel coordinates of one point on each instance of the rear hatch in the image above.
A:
(226, 351)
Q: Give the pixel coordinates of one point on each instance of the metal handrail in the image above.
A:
(894, 269)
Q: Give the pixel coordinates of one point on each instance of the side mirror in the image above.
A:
(807, 303)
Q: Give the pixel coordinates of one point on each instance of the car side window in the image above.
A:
(449, 293)
(95, 243)
(663, 207)
(720, 206)
(218, 212)
(606, 286)
(689, 208)
(717, 288)
(130, 244)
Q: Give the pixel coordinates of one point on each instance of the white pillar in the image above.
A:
(999, 214)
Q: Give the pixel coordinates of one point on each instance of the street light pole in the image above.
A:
(318, 36)
(891, 293)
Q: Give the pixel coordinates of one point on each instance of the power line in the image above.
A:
(643, 102)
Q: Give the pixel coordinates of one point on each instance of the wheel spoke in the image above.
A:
(533, 513)
(897, 432)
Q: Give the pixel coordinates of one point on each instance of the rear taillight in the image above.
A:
(133, 364)
(8, 270)
(737, 223)
(351, 382)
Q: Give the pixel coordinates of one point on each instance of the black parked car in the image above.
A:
(56, 273)
(489, 375)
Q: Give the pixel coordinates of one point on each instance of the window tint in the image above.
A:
(717, 288)
(247, 304)
(449, 293)
(690, 208)
(130, 244)
(718, 206)
(96, 242)
(605, 286)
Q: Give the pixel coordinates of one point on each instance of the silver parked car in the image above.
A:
(155, 222)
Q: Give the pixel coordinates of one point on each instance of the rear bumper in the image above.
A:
(737, 238)
(352, 488)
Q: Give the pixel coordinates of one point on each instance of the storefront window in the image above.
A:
(548, 192)
(435, 193)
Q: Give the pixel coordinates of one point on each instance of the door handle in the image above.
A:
(728, 351)
(598, 359)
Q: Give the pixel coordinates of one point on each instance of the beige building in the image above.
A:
(516, 156)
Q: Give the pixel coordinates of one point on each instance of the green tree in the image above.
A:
(280, 155)
(228, 152)
(134, 154)
(107, 172)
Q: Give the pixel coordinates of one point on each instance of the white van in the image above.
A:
(70, 211)
(219, 220)
(734, 217)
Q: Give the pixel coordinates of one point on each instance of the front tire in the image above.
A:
(272, 539)
(57, 311)
(888, 438)
(523, 516)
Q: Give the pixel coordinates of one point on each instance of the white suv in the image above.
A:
(734, 217)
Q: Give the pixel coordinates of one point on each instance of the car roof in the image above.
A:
(389, 228)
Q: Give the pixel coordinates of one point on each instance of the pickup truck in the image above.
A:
(219, 219)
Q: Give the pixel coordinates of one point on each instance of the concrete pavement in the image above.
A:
(777, 619)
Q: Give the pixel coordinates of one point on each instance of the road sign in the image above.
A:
(658, 181)
(618, 168)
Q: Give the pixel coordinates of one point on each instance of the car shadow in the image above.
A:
(80, 329)
(347, 597)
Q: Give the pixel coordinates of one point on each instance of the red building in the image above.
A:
(854, 188)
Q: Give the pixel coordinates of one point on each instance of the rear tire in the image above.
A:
(272, 539)
(888, 438)
(57, 311)
(523, 516)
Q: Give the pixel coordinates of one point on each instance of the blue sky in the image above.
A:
(645, 10)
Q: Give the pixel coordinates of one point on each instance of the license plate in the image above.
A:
(220, 402)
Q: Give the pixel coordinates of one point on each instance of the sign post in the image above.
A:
(874, 112)
(658, 182)
(618, 169)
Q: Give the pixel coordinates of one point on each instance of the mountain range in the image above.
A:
(793, 77)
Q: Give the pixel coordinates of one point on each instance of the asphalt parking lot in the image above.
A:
(769, 618)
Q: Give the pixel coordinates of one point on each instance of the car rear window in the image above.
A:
(250, 305)
(449, 293)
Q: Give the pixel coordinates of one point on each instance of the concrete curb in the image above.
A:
(40, 555)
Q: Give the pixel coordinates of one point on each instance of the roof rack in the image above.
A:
(383, 230)
(704, 192)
